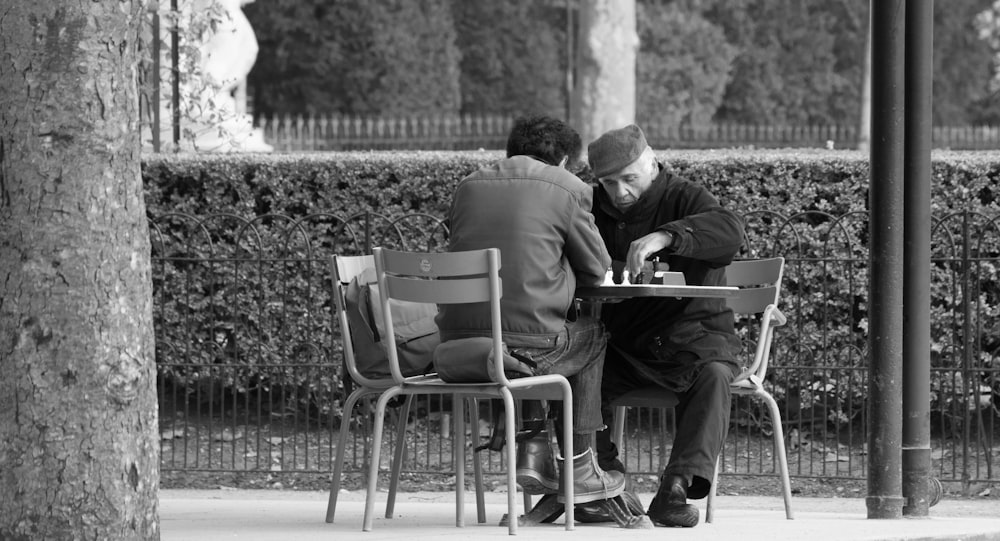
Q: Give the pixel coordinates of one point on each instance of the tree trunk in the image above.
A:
(865, 120)
(79, 455)
(607, 47)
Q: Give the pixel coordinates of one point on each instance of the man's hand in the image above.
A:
(643, 247)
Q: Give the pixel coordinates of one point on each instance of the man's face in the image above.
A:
(627, 185)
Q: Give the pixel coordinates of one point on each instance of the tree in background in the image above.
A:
(513, 56)
(796, 62)
(683, 66)
(791, 64)
(79, 444)
(391, 57)
(966, 50)
(607, 45)
(298, 56)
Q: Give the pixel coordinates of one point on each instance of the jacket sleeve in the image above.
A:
(585, 250)
(707, 232)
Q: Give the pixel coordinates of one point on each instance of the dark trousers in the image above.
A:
(702, 421)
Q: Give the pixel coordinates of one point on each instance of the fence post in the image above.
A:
(368, 232)
(967, 347)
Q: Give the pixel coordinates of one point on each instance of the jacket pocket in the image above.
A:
(681, 337)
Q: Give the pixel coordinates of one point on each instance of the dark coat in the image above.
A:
(706, 238)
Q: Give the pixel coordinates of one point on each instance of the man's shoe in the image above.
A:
(590, 482)
(669, 507)
(536, 468)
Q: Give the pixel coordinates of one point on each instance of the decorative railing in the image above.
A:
(469, 132)
(249, 356)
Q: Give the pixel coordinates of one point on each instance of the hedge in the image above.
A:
(265, 223)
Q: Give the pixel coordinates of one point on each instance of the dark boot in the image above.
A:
(669, 507)
(590, 482)
(536, 468)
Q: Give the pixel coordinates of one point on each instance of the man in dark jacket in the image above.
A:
(538, 214)
(686, 345)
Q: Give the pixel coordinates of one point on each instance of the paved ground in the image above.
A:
(265, 515)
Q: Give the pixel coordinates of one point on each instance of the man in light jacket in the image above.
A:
(538, 214)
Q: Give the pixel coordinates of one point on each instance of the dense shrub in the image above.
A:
(240, 246)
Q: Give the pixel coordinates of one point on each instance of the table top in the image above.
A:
(626, 291)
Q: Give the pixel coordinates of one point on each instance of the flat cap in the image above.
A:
(615, 150)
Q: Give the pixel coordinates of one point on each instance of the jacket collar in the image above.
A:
(644, 208)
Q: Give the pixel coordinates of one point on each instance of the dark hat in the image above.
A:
(616, 149)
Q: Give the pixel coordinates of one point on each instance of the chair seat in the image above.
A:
(533, 388)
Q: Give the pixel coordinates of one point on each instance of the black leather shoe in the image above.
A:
(536, 468)
(590, 482)
(669, 507)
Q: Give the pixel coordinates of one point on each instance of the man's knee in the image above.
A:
(717, 375)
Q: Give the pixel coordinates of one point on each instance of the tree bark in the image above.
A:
(79, 453)
(607, 48)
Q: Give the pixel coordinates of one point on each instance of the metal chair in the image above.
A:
(345, 269)
(759, 281)
(455, 278)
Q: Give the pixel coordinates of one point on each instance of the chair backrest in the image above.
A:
(759, 281)
(345, 269)
(441, 278)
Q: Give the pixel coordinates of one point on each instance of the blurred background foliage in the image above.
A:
(738, 61)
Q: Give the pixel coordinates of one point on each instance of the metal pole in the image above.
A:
(175, 71)
(886, 261)
(570, 54)
(916, 452)
(155, 130)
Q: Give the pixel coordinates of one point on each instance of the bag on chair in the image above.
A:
(413, 323)
(470, 360)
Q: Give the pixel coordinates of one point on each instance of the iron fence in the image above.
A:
(250, 377)
(321, 132)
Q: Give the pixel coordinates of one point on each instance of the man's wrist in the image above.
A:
(670, 239)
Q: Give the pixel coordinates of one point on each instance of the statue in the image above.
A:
(213, 83)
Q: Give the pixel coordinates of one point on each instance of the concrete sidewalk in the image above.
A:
(192, 515)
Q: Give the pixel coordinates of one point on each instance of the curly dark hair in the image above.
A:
(546, 138)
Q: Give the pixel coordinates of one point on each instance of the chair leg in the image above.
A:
(458, 406)
(710, 506)
(569, 484)
(508, 419)
(618, 430)
(779, 449)
(338, 463)
(477, 467)
(376, 452)
(398, 456)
